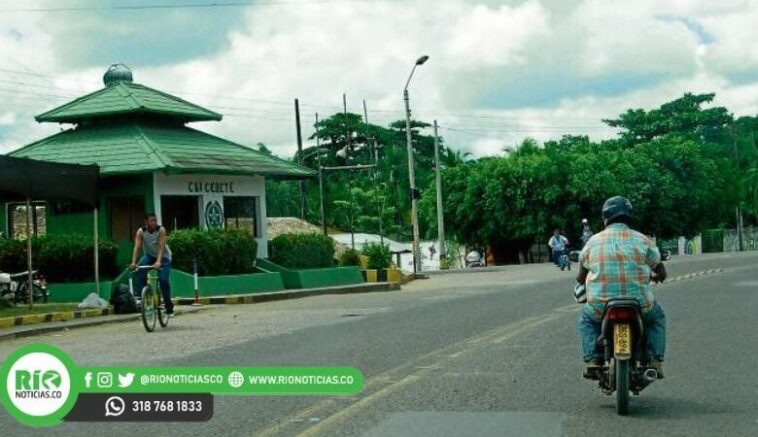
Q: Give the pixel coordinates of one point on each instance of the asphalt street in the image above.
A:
(484, 354)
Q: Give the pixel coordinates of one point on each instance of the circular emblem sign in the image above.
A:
(38, 388)
(214, 215)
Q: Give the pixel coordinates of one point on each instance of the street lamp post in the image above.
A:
(411, 172)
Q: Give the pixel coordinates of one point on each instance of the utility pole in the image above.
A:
(320, 179)
(735, 149)
(300, 157)
(411, 170)
(440, 220)
(348, 152)
(375, 157)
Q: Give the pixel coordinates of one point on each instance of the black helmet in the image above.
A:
(616, 207)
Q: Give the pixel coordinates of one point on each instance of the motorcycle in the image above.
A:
(564, 260)
(474, 259)
(625, 367)
(14, 288)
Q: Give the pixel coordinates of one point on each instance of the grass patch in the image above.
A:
(42, 308)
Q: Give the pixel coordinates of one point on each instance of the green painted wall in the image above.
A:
(182, 284)
(76, 292)
(313, 278)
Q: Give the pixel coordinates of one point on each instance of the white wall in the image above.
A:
(207, 187)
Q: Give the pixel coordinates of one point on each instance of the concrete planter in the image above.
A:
(182, 284)
(314, 278)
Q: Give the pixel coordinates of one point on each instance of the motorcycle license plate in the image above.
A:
(622, 340)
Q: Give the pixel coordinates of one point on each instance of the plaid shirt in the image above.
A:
(619, 261)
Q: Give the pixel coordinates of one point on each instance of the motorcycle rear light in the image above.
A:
(622, 314)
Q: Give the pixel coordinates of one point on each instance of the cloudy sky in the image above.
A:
(499, 71)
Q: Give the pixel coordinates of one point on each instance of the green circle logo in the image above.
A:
(214, 215)
(39, 388)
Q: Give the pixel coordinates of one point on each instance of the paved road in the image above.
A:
(492, 353)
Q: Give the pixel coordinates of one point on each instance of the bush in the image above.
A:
(12, 255)
(350, 257)
(713, 240)
(302, 251)
(379, 255)
(218, 252)
(60, 258)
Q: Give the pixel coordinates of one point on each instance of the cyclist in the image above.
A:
(151, 238)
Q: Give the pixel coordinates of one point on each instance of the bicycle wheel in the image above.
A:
(149, 308)
(162, 316)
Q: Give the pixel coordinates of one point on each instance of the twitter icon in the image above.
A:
(125, 380)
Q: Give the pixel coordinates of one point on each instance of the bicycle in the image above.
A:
(150, 306)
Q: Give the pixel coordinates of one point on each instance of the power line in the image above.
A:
(165, 6)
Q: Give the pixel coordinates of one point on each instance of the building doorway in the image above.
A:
(180, 212)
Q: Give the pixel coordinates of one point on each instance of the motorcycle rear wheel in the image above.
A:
(622, 387)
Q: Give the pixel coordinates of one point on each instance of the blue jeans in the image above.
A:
(655, 331)
(557, 257)
(163, 279)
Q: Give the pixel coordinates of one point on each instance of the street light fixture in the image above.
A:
(411, 172)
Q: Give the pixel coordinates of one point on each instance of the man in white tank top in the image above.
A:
(150, 239)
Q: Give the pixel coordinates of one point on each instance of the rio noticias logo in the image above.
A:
(37, 385)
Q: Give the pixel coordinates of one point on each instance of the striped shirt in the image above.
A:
(619, 261)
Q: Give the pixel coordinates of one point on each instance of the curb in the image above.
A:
(41, 329)
(58, 316)
(52, 322)
(291, 294)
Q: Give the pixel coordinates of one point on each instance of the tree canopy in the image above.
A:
(686, 166)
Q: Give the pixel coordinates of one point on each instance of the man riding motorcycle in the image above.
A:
(619, 262)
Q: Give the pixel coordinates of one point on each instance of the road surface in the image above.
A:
(493, 353)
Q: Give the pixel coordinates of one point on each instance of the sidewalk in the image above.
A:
(37, 324)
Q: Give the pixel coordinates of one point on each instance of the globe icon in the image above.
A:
(236, 379)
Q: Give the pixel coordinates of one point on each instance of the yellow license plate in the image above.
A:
(622, 340)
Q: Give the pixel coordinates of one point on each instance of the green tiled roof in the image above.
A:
(127, 98)
(140, 147)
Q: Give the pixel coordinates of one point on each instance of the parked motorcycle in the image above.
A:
(14, 287)
(474, 259)
(625, 366)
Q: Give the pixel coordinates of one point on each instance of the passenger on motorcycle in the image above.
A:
(619, 262)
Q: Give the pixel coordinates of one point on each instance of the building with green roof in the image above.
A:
(150, 160)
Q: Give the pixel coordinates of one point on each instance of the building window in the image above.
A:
(242, 213)
(68, 207)
(126, 215)
(180, 212)
(17, 220)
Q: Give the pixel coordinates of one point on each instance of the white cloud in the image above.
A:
(497, 72)
(495, 36)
